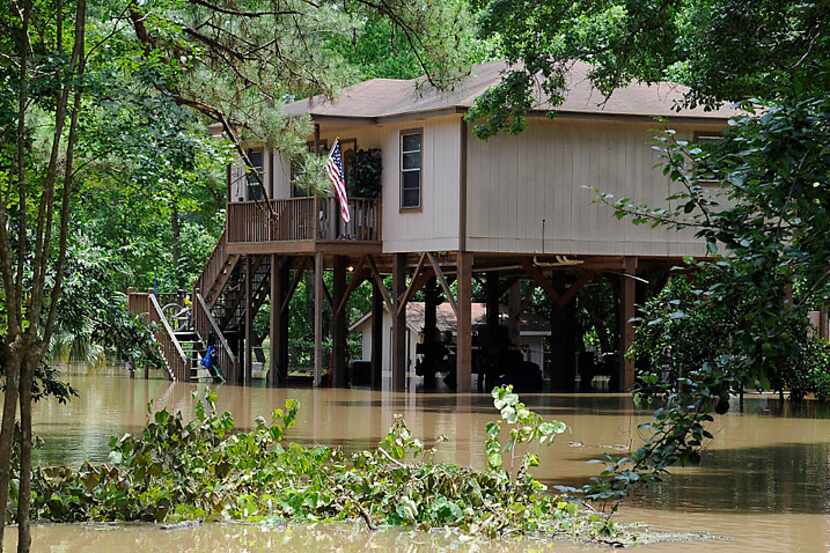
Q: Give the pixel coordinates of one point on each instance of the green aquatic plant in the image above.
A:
(208, 470)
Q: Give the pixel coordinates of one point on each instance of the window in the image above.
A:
(255, 188)
(704, 140)
(411, 163)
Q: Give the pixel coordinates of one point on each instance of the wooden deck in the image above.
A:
(304, 226)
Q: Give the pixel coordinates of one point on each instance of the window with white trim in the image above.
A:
(411, 168)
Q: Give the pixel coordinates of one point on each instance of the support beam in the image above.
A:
(360, 274)
(464, 337)
(278, 371)
(514, 309)
(493, 342)
(431, 338)
(413, 286)
(628, 290)
(537, 276)
(399, 325)
(442, 280)
(339, 330)
(249, 323)
(377, 337)
(563, 331)
(318, 318)
(378, 279)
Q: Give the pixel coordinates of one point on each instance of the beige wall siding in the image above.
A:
(281, 166)
(435, 225)
(546, 173)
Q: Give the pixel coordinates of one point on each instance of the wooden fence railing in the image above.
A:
(177, 363)
(206, 326)
(303, 219)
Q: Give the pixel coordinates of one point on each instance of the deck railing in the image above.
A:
(303, 219)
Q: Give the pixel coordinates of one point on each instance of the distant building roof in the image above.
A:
(446, 321)
(381, 98)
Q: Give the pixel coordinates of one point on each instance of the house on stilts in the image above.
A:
(449, 207)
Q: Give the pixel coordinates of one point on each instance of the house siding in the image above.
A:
(547, 173)
(434, 226)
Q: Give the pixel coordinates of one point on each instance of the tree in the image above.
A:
(229, 62)
(723, 50)
(766, 221)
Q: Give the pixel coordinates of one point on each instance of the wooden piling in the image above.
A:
(318, 318)
(628, 290)
(464, 337)
(339, 334)
(399, 325)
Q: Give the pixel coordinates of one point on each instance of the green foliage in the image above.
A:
(713, 46)
(741, 317)
(206, 469)
(525, 427)
(379, 46)
(93, 312)
(365, 172)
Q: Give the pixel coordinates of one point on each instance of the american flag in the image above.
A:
(337, 175)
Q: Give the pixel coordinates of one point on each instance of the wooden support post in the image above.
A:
(249, 324)
(339, 331)
(464, 332)
(492, 292)
(514, 310)
(318, 318)
(399, 368)
(278, 371)
(493, 342)
(430, 359)
(563, 346)
(377, 337)
(628, 288)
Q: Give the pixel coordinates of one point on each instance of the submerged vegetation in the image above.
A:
(208, 470)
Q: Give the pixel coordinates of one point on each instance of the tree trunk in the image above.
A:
(7, 432)
(24, 537)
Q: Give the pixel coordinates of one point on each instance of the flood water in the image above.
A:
(763, 485)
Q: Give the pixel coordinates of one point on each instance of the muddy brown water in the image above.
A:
(763, 485)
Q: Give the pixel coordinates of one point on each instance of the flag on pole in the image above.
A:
(337, 175)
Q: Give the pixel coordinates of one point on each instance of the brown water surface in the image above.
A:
(763, 485)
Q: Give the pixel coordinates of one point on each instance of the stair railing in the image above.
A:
(177, 362)
(205, 324)
(213, 270)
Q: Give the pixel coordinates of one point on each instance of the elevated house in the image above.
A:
(447, 207)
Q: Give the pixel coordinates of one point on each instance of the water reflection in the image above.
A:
(237, 538)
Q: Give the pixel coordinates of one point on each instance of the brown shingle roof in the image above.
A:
(379, 98)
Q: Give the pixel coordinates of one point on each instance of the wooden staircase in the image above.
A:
(218, 315)
(180, 364)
